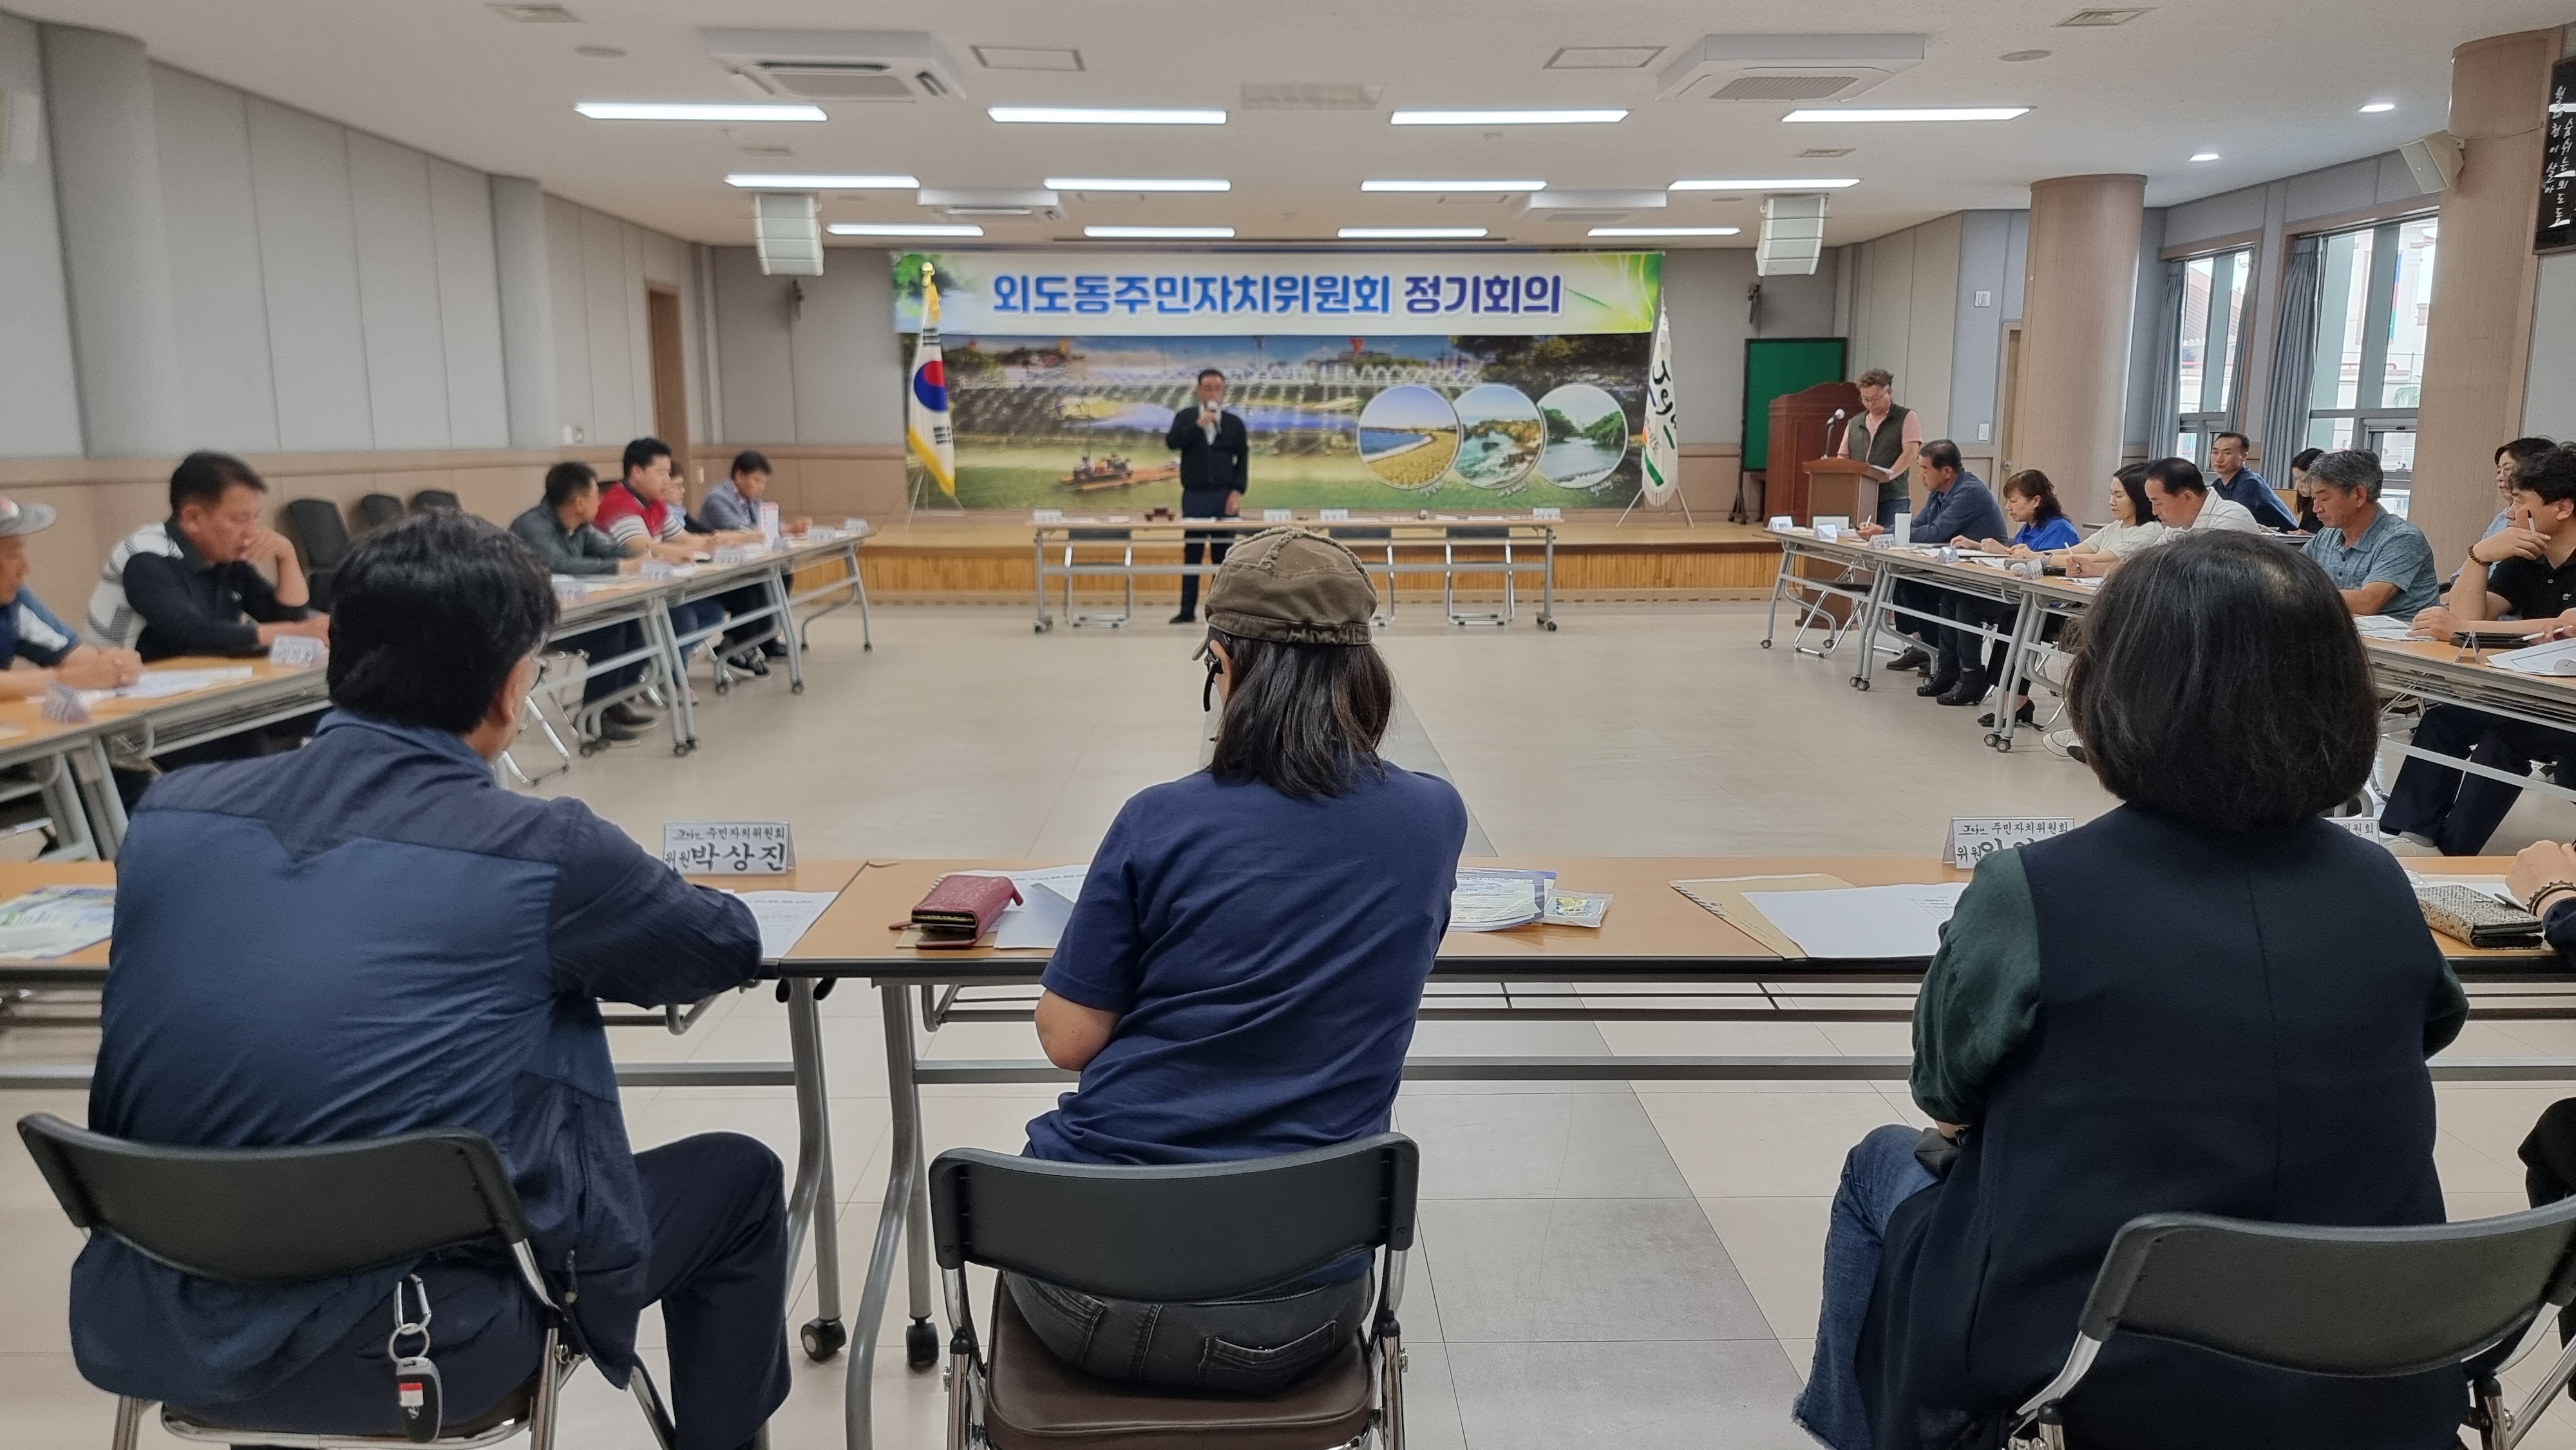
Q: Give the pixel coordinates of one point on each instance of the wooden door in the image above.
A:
(670, 376)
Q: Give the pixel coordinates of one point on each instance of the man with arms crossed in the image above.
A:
(2527, 571)
(369, 936)
(1216, 467)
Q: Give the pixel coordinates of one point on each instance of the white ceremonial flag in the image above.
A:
(1663, 456)
(926, 426)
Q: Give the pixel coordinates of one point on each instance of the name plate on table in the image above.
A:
(296, 651)
(1046, 516)
(1334, 516)
(2366, 827)
(1547, 514)
(569, 590)
(658, 569)
(1974, 838)
(728, 848)
(731, 554)
(855, 526)
(1278, 516)
(1826, 532)
(63, 705)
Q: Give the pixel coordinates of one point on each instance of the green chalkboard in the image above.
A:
(1777, 365)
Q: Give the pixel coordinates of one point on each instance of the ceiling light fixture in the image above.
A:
(903, 229)
(1158, 231)
(1409, 234)
(1138, 183)
(1665, 232)
(1465, 186)
(599, 52)
(2023, 55)
(1908, 113)
(2204, 156)
(697, 111)
(1506, 118)
(791, 181)
(2378, 107)
(1102, 116)
(1812, 183)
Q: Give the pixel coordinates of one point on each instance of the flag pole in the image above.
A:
(1660, 467)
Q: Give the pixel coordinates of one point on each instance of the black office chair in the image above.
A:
(435, 498)
(282, 1215)
(1376, 538)
(2363, 1303)
(375, 510)
(1192, 1233)
(321, 541)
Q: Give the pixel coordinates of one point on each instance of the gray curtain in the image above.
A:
(2294, 359)
(2164, 409)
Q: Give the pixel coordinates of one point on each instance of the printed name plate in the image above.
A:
(296, 651)
(2366, 827)
(63, 705)
(1782, 523)
(728, 848)
(1335, 516)
(1547, 514)
(1048, 516)
(1278, 516)
(1974, 838)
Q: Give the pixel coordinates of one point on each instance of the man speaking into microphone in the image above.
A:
(1216, 462)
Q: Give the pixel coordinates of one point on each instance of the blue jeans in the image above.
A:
(1878, 1174)
(689, 618)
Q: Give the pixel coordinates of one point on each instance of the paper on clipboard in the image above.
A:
(1724, 897)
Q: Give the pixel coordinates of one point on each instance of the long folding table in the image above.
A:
(1381, 541)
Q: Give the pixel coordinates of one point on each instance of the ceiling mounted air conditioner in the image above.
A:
(838, 65)
(1786, 68)
(1557, 204)
(1035, 202)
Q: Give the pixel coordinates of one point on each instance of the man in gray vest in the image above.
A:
(1887, 437)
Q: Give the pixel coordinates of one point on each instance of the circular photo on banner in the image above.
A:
(1408, 436)
(1587, 435)
(1499, 434)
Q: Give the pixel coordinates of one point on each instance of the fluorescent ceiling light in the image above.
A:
(902, 229)
(789, 181)
(1403, 234)
(2204, 156)
(1908, 113)
(1453, 186)
(1809, 183)
(1158, 231)
(2376, 107)
(1137, 183)
(1102, 116)
(1664, 232)
(1506, 118)
(697, 111)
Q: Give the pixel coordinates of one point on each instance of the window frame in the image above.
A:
(2195, 423)
(2372, 418)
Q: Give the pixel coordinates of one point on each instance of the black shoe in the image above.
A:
(1939, 683)
(626, 714)
(2026, 715)
(1913, 659)
(749, 662)
(775, 649)
(1186, 616)
(1971, 688)
(614, 733)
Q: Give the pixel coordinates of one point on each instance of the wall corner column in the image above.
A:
(116, 264)
(527, 312)
(2477, 339)
(2078, 301)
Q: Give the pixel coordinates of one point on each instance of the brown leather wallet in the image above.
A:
(961, 906)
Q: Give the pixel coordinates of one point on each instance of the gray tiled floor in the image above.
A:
(1610, 1263)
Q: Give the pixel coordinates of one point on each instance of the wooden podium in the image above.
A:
(1802, 433)
(1840, 487)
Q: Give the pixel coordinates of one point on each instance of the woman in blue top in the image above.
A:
(1241, 973)
(2030, 502)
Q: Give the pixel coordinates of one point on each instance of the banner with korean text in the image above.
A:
(1393, 381)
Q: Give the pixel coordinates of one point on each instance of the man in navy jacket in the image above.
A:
(368, 936)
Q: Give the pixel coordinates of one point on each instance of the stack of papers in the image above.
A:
(161, 684)
(1045, 906)
(2384, 626)
(1862, 921)
(783, 916)
(1486, 899)
(55, 921)
(2556, 658)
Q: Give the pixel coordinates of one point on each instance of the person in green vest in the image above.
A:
(1888, 437)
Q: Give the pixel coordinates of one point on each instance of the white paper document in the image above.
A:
(2383, 626)
(162, 684)
(1862, 921)
(55, 921)
(1046, 901)
(2556, 658)
(783, 916)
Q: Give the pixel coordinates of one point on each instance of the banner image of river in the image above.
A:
(1448, 423)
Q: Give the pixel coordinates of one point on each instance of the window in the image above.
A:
(2374, 296)
(2213, 339)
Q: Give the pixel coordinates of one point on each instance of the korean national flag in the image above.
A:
(1663, 460)
(926, 411)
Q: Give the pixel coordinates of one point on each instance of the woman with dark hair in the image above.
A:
(1242, 969)
(2255, 1050)
(2030, 503)
(2133, 520)
(2309, 523)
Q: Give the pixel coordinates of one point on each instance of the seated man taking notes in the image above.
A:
(2382, 563)
(560, 532)
(2527, 571)
(1957, 508)
(370, 936)
(29, 631)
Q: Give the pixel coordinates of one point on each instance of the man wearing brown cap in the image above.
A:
(1242, 968)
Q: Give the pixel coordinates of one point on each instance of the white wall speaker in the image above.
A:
(2435, 160)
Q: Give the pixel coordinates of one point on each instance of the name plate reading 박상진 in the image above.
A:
(728, 848)
(1974, 838)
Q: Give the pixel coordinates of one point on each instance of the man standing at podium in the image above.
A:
(1216, 463)
(1887, 437)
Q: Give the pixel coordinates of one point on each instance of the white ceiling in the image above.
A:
(2271, 85)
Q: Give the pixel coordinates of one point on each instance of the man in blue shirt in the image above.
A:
(1958, 506)
(31, 632)
(2229, 478)
(368, 936)
(2382, 563)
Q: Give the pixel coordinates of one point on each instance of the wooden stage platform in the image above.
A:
(986, 559)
